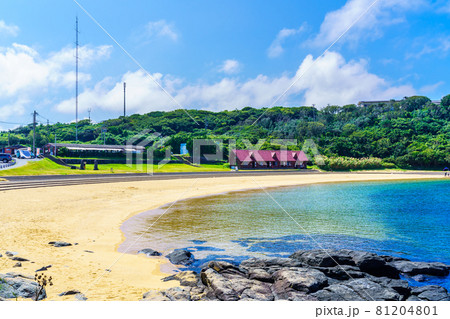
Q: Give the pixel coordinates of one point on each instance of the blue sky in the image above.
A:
(217, 55)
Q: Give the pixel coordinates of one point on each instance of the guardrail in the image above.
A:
(3, 165)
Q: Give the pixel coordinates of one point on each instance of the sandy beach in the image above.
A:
(91, 215)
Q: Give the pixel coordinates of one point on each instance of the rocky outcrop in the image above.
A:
(325, 275)
(366, 262)
(181, 257)
(149, 252)
(413, 268)
(13, 285)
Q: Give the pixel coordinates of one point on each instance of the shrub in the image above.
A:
(349, 163)
(389, 165)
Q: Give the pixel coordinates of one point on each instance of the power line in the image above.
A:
(12, 123)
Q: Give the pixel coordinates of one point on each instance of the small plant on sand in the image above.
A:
(42, 281)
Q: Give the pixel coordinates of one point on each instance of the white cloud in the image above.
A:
(383, 13)
(142, 95)
(17, 109)
(439, 45)
(276, 48)
(161, 29)
(230, 66)
(26, 77)
(23, 71)
(331, 80)
(86, 54)
(10, 30)
(431, 88)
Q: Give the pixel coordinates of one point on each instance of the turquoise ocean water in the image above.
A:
(407, 218)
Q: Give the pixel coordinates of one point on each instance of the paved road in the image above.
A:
(22, 182)
(19, 162)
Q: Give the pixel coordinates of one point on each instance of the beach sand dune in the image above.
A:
(91, 216)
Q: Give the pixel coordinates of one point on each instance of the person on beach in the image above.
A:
(446, 171)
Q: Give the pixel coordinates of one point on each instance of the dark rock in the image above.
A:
(300, 279)
(255, 289)
(389, 259)
(19, 259)
(1, 255)
(324, 257)
(149, 252)
(10, 253)
(431, 293)
(186, 278)
(413, 268)
(338, 292)
(19, 264)
(269, 264)
(372, 290)
(59, 244)
(374, 265)
(18, 275)
(155, 296)
(357, 290)
(221, 266)
(221, 287)
(178, 293)
(312, 275)
(200, 293)
(344, 272)
(88, 251)
(400, 286)
(260, 274)
(181, 257)
(69, 293)
(15, 286)
(260, 292)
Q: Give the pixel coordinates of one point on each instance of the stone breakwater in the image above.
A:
(323, 275)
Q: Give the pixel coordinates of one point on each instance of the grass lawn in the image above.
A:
(47, 167)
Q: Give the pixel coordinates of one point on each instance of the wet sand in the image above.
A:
(91, 215)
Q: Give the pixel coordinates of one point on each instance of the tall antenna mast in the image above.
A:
(124, 99)
(76, 84)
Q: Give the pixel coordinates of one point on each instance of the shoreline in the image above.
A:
(91, 215)
(131, 224)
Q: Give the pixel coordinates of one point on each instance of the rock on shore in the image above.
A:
(13, 285)
(325, 275)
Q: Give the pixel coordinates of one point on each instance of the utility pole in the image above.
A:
(89, 112)
(9, 137)
(34, 132)
(76, 79)
(124, 99)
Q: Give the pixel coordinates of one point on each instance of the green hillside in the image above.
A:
(413, 132)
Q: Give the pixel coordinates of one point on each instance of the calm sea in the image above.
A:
(408, 218)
